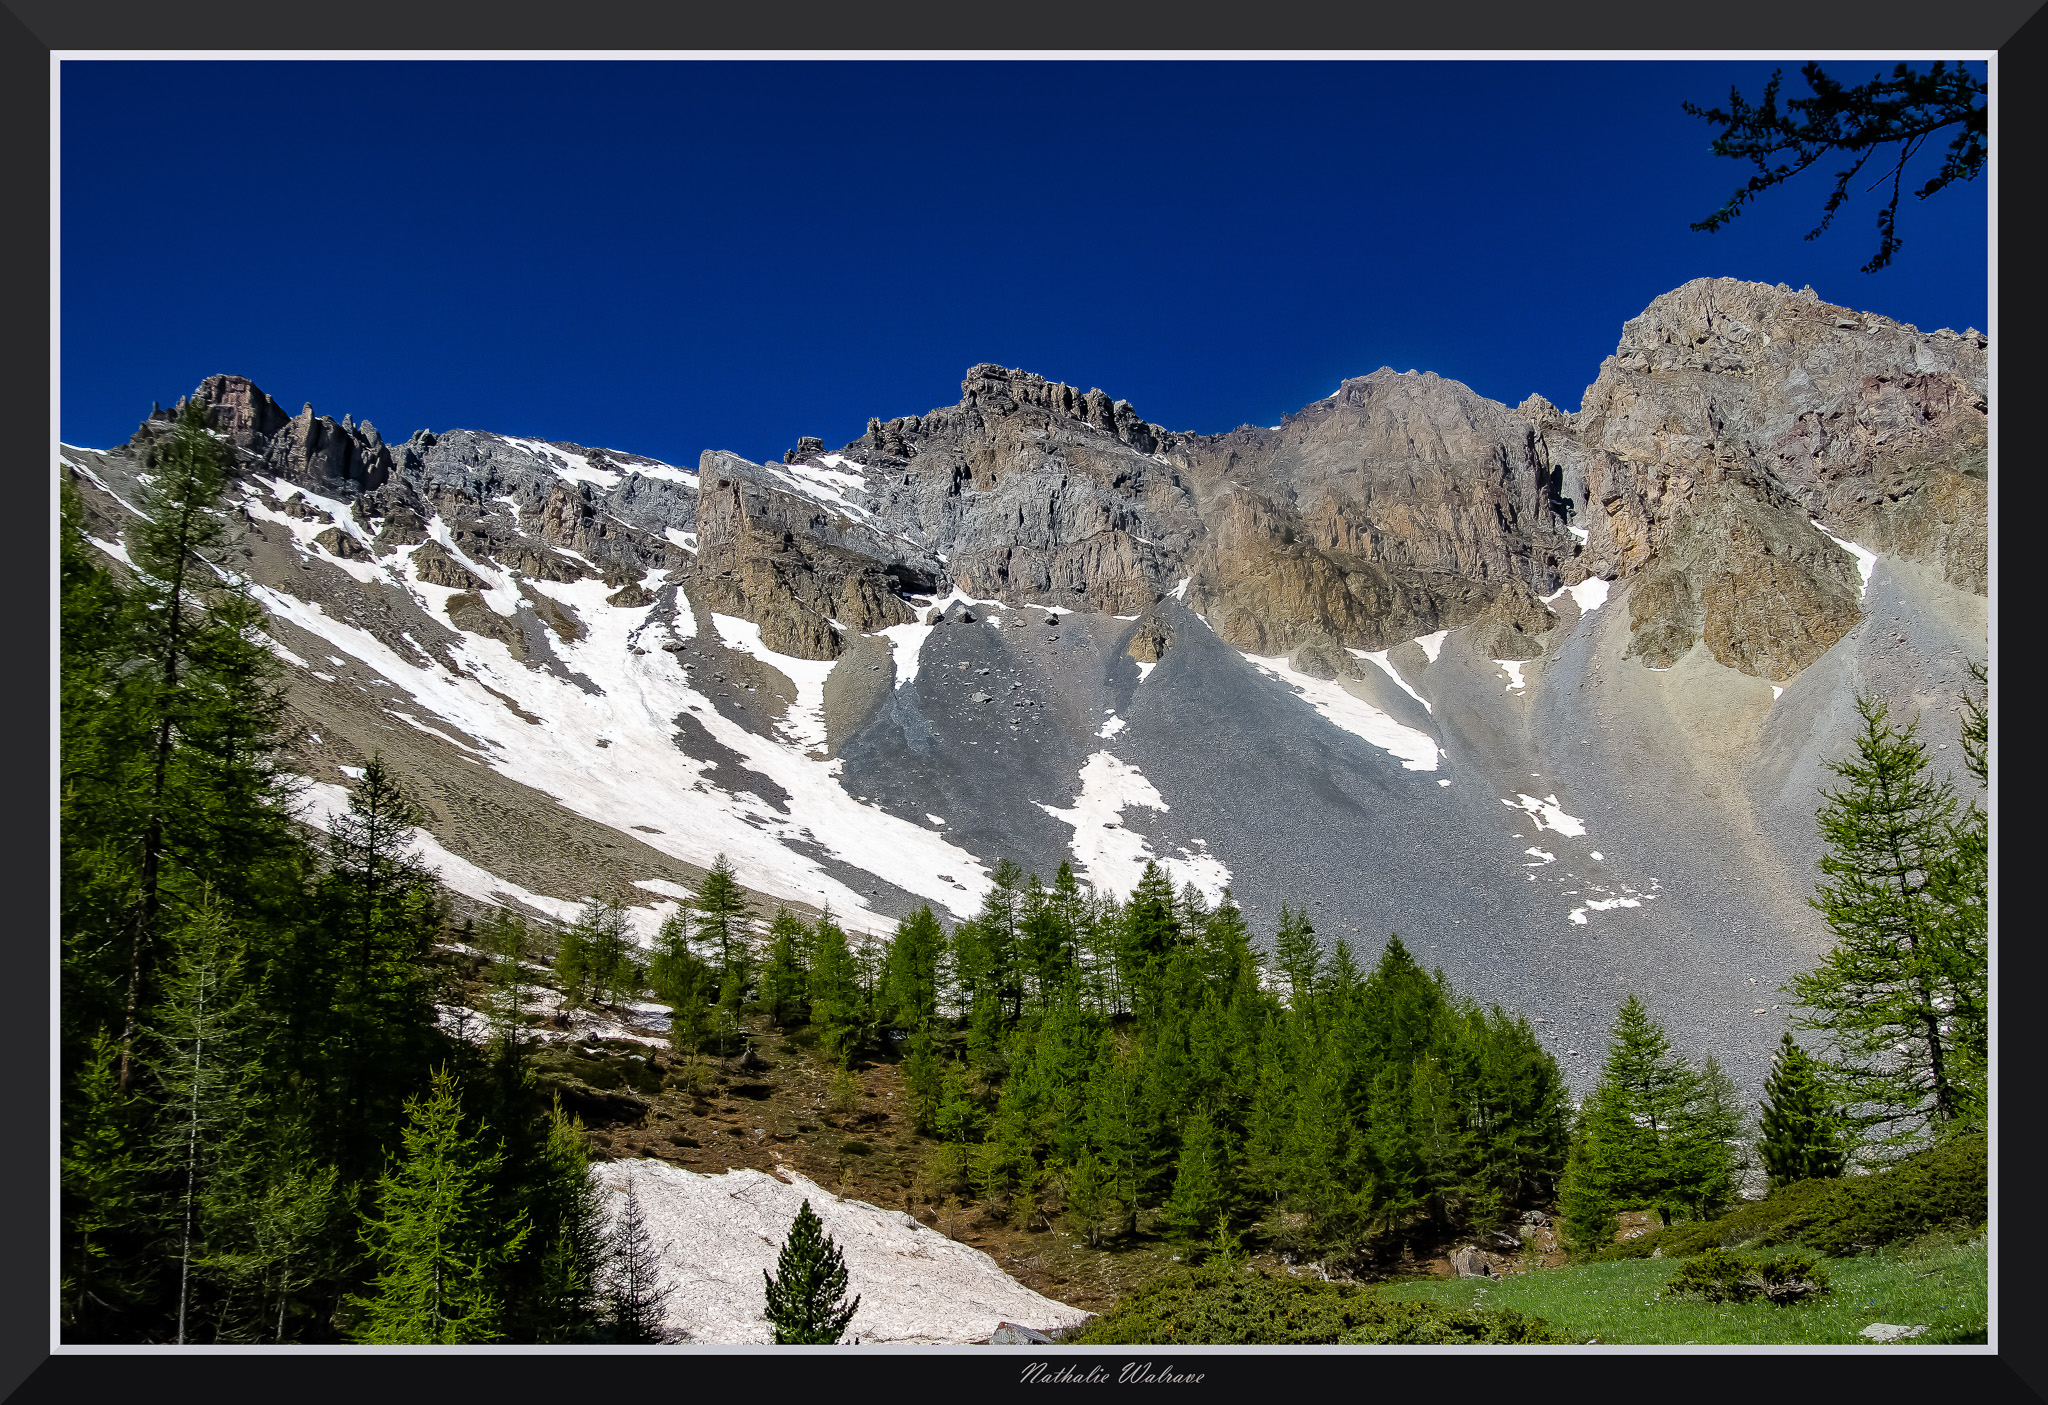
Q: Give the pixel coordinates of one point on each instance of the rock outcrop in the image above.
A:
(1730, 416)
(1034, 492)
(754, 562)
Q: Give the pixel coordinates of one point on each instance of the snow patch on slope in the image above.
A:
(804, 725)
(906, 642)
(719, 1236)
(1866, 560)
(1418, 751)
(1547, 814)
(1113, 858)
(1379, 659)
(1589, 594)
(642, 778)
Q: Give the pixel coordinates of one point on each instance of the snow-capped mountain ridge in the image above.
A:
(1548, 694)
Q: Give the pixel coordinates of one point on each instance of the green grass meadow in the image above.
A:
(1940, 1280)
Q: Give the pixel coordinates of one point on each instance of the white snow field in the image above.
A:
(1111, 857)
(719, 1235)
(641, 777)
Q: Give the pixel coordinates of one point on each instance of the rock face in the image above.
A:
(1400, 505)
(756, 560)
(1034, 492)
(1730, 415)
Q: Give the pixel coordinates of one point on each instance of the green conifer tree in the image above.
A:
(1654, 1133)
(683, 982)
(1801, 1134)
(505, 941)
(438, 1248)
(806, 1295)
(105, 1171)
(1151, 932)
(362, 972)
(201, 1033)
(1201, 1195)
(1902, 986)
(785, 979)
(198, 799)
(835, 993)
(564, 1302)
(636, 1290)
(606, 950)
(274, 1210)
(723, 918)
(1298, 956)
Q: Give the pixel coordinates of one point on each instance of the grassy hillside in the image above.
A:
(1939, 1280)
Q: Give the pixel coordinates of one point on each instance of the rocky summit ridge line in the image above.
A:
(1549, 693)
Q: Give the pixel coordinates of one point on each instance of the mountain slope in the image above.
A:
(1549, 694)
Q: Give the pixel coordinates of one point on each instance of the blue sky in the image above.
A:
(670, 257)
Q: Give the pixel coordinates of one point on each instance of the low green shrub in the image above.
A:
(1721, 1277)
(1230, 1307)
(1944, 1185)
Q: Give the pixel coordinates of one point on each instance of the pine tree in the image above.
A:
(1298, 955)
(911, 974)
(505, 940)
(636, 1291)
(1151, 931)
(683, 982)
(923, 1080)
(572, 964)
(1598, 1181)
(363, 974)
(564, 1302)
(1905, 977)
(603, 952)
(102, 733)
(806, 1295)
(1709, 1150)
(438, 1248)
(273, 1212)
(1801, 1138)
(1961, 892)
(198, 798)
(1654, 1132)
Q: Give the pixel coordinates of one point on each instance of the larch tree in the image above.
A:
(723, 916)
(437, 1245)
(1903, 987)
(1903, 112)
